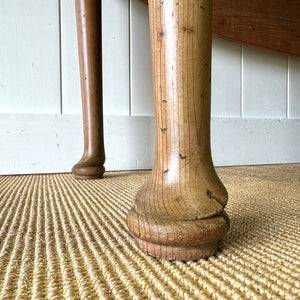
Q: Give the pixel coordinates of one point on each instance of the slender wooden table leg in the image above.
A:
(178, 214)
(88, 17)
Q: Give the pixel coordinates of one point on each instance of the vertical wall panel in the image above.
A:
(226, 79)
(29, 56)
(115, 39)
(264, 84)
(141, 70)
(294, 87)
(71, 95)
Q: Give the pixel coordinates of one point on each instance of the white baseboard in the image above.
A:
(54, 143)
(255, 141)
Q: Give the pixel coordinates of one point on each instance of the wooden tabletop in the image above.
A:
(267, 24)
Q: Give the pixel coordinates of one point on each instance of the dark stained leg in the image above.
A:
(88, 17)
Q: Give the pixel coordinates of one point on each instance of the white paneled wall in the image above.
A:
(255, 94)
(116, 57)
(226, 79)
(264, 84)
(141, 73)
(70, 80)
(29, 56)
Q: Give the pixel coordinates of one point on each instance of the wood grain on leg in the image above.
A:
(178, 214)
(88, 17)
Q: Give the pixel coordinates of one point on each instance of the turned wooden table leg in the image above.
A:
(178, 214)
(88, 17)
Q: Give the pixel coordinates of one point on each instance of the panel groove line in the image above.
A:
(60, 58)
(130, 57)
(288, 89)
(242, 84)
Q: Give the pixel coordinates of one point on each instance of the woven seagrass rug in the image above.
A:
(62, 238)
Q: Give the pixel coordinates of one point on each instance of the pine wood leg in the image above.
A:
(178, 214)
(88, 18)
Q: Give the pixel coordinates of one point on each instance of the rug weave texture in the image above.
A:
(62, 238)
